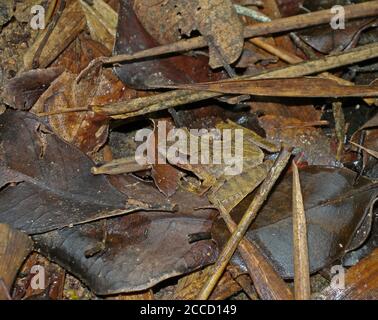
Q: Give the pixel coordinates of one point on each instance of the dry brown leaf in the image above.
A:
(86, 130)
(80, 53)
(217, 20)
(166, 177)
(166, 21)
(226, 195)
(22, 91)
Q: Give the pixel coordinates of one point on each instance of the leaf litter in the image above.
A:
(76, 95)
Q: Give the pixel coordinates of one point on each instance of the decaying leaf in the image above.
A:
(140, 250)
(310, 142)
(326, 39)
(46, 183)
(80, 53)
(213, 18)
(85, 129)
(366, 136)
(353, 257)
(335, 209)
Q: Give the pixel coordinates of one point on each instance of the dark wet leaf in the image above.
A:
(335, 210)
(79, 53)
(169, 21)
(310, 142)
(46, 183)
(166, 176)
(353, 257)
(136, 251)
(132, 37)
(24, 90)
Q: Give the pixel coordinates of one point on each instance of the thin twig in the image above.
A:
(302, 288)
(245, 222)
(120, 166)
(62, 111)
